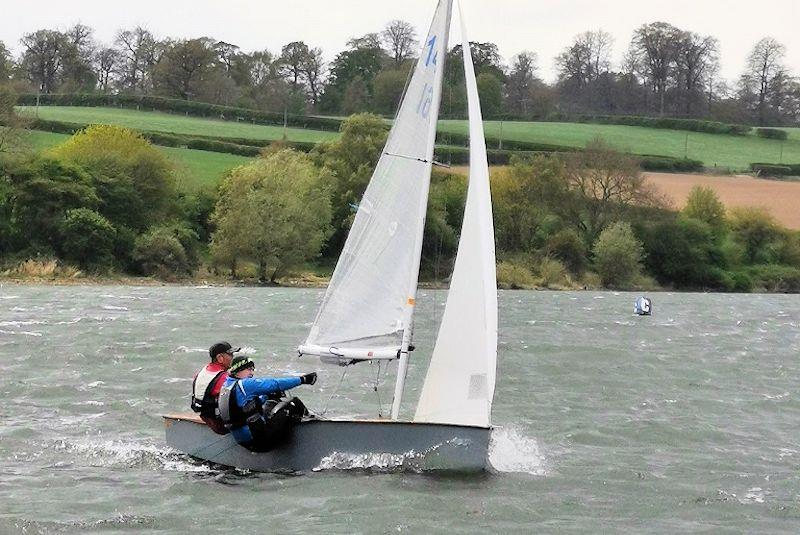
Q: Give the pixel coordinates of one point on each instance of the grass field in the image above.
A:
(197, 168)
(718, 150)
(736, 152)
(179, 124)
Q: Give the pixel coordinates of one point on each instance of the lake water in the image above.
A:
(685, 421)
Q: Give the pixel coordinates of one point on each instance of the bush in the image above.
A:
(675, 165)
(567, 246)
(511, 275)
(87, 239)
(770, 169)
(553, 273)
(160, 254)
(617, 255)
(772, 133)
(775, 277)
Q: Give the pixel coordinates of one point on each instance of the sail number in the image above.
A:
(424, 106)
(426, 99)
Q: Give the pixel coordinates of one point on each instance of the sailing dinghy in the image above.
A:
(368, 310)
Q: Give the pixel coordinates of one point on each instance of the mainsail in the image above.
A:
(459, 386)
(368, 308)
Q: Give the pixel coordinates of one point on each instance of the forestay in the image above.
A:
(371, 295)
(459, 386)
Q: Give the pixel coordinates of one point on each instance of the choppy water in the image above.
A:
(687, 420)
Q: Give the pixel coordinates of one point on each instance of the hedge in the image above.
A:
(185, 107)
(772, 133)
(771, 169)
(675, 165)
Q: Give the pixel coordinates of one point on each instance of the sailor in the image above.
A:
(255, 409)
(208, 382)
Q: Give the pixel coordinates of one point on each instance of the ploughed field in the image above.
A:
(714, 150)
(780, 198)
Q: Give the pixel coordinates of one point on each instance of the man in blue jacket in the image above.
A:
(254, 408)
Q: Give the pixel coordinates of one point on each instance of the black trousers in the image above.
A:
(273, 426)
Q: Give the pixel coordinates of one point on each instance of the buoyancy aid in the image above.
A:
(203, 400)
(231, 414)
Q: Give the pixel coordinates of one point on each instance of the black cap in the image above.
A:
(240, 363)
(222, 347)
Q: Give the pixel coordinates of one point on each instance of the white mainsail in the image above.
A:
(369, 302)
(459, 386)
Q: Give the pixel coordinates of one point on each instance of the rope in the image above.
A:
(377, 392)
(335, 391)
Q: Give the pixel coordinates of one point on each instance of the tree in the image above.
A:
(274, 211)
(656, 46)
(185, 67)
(521, 83)
(388, 90)
(87, 239)
(45, 189)
(758, 234)
(78, 59)
(360, 64)
(760, 82)
(400, 39)
(5, 63)
(140, 52)
(586, 59)
(696, 62)
(11, 125)
(135, 180)
(704, 205)
(108, 62)
(618, 255)
(313, 70)
(160, 253)
(43, 58)
(607, 183)
(490, 91)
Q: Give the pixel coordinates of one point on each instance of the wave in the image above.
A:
(511, 451)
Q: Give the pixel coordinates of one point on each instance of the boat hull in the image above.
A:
(320, 444)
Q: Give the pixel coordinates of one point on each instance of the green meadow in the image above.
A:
(179, 124)
(714, 150)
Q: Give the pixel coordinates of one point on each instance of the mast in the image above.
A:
(408, 320)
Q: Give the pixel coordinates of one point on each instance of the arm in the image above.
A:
(267, 385)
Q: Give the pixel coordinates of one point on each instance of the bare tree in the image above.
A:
(656, 45)
(400, 39)
(5, 63)
(107, 60)
(764, 68)
(521, 81)
(313, 69)
(696, 61)
(587, 58)
(140, 51)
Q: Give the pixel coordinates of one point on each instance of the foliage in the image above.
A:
(274, 211)
(87, 239)
(513, 275)
(617, 255)
(553, 273)
(704, 205)
(684, 252)
(767, 169)
(44, 189)
(566, 245)
(772, 133)
(130, 171)
(775, 278)
(490, 91)
(159, 253)
(758, 234)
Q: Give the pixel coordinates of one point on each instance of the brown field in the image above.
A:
(779, 198)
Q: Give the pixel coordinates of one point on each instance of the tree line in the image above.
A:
(108, 201)
(666, 71)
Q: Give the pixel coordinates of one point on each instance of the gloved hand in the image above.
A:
(308, 379)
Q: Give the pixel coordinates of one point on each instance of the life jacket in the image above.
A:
(203, 400)
(231, 414)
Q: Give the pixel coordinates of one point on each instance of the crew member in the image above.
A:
(208, 382)
(254, 409)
